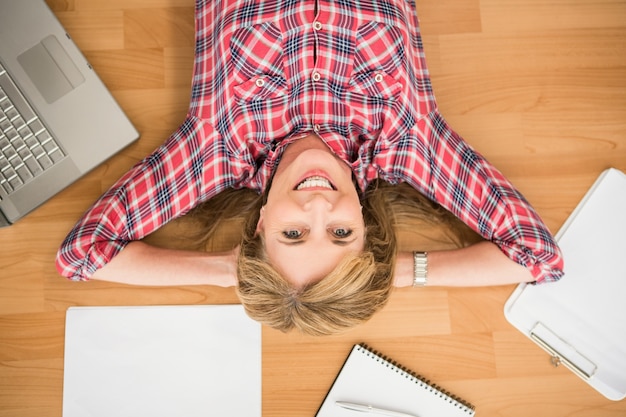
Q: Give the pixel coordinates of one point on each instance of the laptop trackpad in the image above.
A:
(51, 69)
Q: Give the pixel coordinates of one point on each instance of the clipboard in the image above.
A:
(581, 319)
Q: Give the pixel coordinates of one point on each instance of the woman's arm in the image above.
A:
(441, 165)
(190, 167)
(142, 264)
(481, 264)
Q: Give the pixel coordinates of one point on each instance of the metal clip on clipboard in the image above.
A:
(562, 352)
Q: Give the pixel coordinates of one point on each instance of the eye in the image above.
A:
(341, 233)
(292, 234)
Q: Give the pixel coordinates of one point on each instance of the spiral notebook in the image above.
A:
(372, 379)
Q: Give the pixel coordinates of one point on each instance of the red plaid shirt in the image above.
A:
(270, 72)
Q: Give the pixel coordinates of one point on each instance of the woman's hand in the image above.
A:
(142, 264)
(230, 278)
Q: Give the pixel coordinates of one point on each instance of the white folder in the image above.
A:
(581, 319)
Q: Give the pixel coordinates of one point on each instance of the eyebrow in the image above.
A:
(338, 242)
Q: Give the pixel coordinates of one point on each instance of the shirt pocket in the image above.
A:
(262, 88)
(257, 49)
(379, 46)
(374, 85)
(260, 85)
(371, 97)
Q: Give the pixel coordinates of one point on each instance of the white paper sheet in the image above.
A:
(162, 361)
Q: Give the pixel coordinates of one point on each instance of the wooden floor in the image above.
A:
(537, 86)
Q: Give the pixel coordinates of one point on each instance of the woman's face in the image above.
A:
(312, 217)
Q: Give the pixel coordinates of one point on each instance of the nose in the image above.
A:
(317, 201)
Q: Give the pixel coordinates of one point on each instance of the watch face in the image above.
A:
(420, 269)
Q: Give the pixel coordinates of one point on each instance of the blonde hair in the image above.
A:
(357, 288)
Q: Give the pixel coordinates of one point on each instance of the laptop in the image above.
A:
(57, 119)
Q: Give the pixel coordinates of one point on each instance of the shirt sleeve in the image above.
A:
(190, 167)
(441, 165)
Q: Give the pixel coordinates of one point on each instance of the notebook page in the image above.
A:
(162, 361)
(368, 379)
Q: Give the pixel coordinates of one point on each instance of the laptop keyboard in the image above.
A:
(26, 147)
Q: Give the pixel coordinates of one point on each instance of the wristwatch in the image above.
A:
(420, 269)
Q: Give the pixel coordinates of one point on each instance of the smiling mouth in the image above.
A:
(315, 183)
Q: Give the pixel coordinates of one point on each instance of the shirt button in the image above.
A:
(260, 82)
(316, 76)
(379, 78)
(317, 26)
(317, 128)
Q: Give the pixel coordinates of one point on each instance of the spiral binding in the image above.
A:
(436, 389)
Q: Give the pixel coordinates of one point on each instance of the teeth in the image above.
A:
(313, 182)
